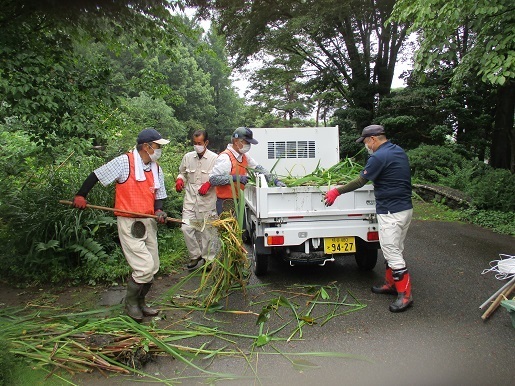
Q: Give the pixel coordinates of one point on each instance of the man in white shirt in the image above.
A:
(199, 199)
(232, 165)
(139, 188)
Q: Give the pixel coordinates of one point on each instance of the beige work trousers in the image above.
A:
(392, 232)
(205, 243)
(141, 253)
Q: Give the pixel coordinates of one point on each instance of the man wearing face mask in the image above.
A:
(232, 165)
(139, 188)
(388, 168)
(199, 199)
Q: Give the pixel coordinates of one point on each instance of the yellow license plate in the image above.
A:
(334, 245)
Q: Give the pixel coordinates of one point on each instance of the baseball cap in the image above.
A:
(370, 131)
(151, 135)
(244, 133)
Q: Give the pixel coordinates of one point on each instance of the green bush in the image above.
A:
(7, 363)
(46, 241)
(462, 177)
(432, 163)
(494, 189)
(500, 222)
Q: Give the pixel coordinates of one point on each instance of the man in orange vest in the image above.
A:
(140, 188)
(232, 165)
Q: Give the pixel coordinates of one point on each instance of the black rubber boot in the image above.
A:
(388, 287)
(403, 285)
(131, 300)
(194, 262)
(147, 311)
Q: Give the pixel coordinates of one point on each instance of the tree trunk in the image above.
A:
(502, 151)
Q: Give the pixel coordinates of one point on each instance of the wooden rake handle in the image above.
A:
(65, 202)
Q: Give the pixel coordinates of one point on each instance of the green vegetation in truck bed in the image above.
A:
(338, 174)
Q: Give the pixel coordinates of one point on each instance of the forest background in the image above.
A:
(79, 80)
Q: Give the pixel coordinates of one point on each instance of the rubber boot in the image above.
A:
(147, 311)
(402, 281)
(388, 287)
(131, 300)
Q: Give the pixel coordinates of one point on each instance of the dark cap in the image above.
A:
(371, 131)
(151, 135)
(244, 133)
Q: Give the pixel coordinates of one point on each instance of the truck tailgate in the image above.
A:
(306, 201)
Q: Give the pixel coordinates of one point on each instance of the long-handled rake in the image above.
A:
(197, 224)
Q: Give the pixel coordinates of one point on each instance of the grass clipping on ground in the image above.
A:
(61, 342)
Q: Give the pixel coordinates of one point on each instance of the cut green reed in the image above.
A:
(230, 268)
(338, 174)
(57, 340)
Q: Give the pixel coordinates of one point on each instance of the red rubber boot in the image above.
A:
(402, 282)
(388, 287)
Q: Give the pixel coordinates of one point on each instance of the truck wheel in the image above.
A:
(259, 261)
(366, 258)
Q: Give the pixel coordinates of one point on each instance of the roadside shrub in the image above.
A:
(494, 189)
(7, 362)
(431, 163)
(500, 222)
(44, 240)
(461, 178)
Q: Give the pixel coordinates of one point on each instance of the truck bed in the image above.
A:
(270, 203)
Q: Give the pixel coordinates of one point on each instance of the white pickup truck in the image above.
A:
(293, 223)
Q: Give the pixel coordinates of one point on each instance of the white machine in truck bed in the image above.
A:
(293, 223)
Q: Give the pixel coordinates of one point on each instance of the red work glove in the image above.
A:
(204, 188)
(331, 196)
(161, 216)
(179, 185)
(79, 202)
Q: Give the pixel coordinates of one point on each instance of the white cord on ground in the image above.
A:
(504, 268)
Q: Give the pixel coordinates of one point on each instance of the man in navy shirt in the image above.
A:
(388, 168)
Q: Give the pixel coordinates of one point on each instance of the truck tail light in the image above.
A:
(373, 236)
(275, 240)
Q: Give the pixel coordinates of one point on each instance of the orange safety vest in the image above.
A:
(225, 191)
(135, 196)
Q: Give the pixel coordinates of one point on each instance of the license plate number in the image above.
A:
(334, 245)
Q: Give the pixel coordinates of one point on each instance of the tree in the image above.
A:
(228, 104)
(487, 35)
(430, 113)
(277, 88)
(52, 87)
(348, 46)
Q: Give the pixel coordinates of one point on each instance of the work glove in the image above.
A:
(161, 216)
(79, 202)
(243, 179)
(279, 183)
(179, 185)
(204, 188)
(331, 196)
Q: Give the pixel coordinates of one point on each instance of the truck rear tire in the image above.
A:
(366, 258)
(259, 261)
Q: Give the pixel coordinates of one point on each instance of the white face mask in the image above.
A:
(199, 148)
(245, 148)
(370, 151)
(155, 155)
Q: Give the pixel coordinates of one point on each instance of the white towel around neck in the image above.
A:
(139, 172)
